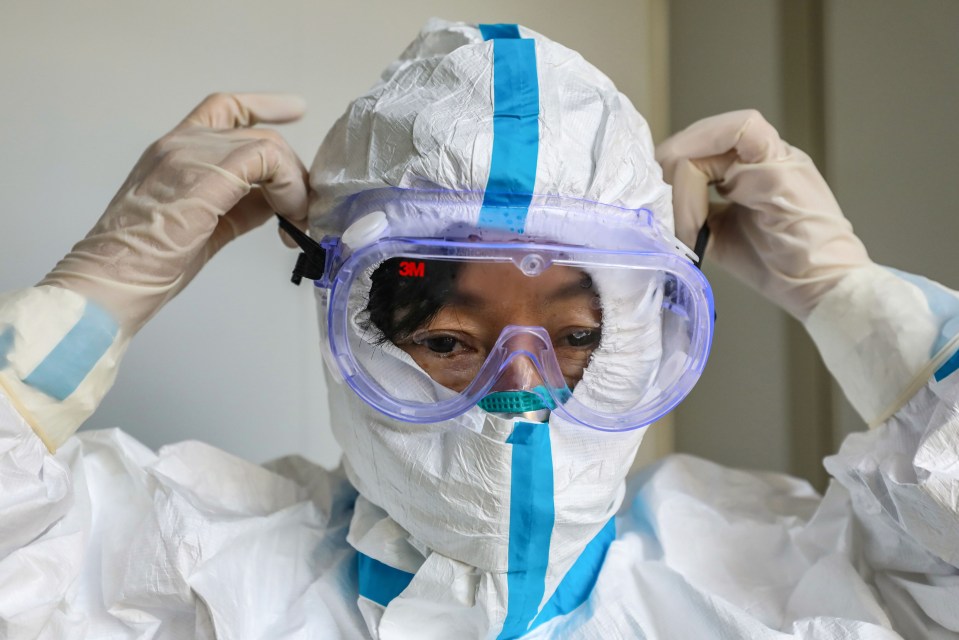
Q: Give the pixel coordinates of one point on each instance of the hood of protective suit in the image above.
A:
(428, 123)
(487, 525)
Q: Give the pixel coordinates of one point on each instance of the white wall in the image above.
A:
(88, 85)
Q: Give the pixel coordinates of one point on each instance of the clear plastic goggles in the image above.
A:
(590, 310)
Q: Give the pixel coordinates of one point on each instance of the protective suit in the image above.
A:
(485, 525)
(434, 497)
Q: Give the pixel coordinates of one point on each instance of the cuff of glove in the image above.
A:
(58, 357)
(883, 333)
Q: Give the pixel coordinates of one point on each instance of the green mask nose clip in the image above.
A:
(520, 401)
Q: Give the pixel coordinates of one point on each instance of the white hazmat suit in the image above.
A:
(418, 536)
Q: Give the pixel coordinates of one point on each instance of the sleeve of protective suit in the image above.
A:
(59, 353)
(708, 552)
(882, 333)
(209, 180)
(108, 539)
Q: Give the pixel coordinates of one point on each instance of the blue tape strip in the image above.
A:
(531, 516)
(505, 31)
(64, 368)
(380, 582)
(579, 581)
(512, 177)
(945, 307)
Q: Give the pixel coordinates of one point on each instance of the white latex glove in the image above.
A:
(783, 233)
(208, 181)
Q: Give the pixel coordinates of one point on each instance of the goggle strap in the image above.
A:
(702, 239)
(312, 262)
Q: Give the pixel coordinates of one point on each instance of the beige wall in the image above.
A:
(883, 110)
(88, 85)
(892, 100)
(724, 56)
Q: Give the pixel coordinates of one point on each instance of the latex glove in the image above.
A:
(783, 233)
(208, 181)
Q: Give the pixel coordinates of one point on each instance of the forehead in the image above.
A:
(495, 281)
(475, 276)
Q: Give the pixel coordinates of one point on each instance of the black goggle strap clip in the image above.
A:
(702, 239)
(311, 263)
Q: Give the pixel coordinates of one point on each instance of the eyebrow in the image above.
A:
(573, 289)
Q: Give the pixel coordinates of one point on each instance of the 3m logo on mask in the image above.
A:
(412, 269)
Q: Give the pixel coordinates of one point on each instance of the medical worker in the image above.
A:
(507, 298)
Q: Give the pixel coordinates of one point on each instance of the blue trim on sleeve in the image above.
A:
(579, 581)
(512, 177)
(944, 305)
(380, 582)
(6, 345)
(65, 367)
(531, 516)
(948, 367)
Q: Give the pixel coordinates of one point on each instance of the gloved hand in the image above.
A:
(203, 184)
(190, 193)
(783, 233)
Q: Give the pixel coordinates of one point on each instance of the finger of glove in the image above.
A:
(268, 161)
(249, 213)
(244, 135)
(793, 185)
(233, 110)
(690, 199)
(297, 218)
(744, 132)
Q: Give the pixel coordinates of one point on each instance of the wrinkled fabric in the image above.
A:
(428, 124)
(110, 540)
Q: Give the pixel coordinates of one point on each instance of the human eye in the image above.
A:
(442, 344)
(581, 338)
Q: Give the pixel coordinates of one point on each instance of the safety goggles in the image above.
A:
(587, 310)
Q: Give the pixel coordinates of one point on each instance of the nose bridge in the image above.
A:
(522, 344)
(524, 338)
(524, 341)
(519, 374)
